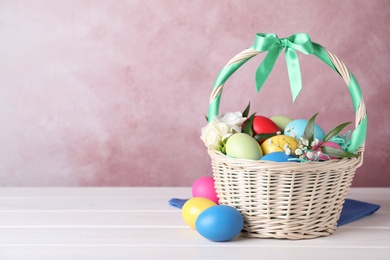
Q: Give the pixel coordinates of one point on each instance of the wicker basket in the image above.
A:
(287, 200)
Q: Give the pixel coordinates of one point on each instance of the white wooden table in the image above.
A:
(138, 223)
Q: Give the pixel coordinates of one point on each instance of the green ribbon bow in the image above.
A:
(271, 43)
(296, 42)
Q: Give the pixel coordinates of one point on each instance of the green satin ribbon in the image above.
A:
(297, 42)
(358, 136)
(271, 43)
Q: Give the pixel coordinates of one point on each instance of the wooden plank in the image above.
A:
(72, 192)
(91, 219)
(148, 192)
(124, 252)
(112, 199)
(134, 223)
(85, 203)
(181, 236)
(129, 218)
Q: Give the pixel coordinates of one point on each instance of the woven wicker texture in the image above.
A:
(286, 200)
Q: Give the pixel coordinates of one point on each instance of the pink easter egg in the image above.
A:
(204, 187)
(329, 144)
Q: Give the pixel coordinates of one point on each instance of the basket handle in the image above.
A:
(302, 43)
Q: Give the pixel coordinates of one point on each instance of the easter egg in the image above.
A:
(243, 146)
(327, 144)
(297, 128)
(281, 121)
(278, 157)
(204, 187)
(193, 208)
(220, 223)
(279, 143)
(264, 125)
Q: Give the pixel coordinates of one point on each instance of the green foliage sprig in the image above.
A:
(330, 151)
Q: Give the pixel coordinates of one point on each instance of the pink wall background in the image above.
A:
(114, 93)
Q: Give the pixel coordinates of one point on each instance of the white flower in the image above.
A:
(278, 133)
(287, 151)
(270, 141)
(226, 136)
(221, 128)
(304, 141)
(233, 120)
(309, 154)
(285, 146)
(315, 142)
(298, 151)
(213, 132)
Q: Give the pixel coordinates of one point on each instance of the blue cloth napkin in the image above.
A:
(352, 209)
(178, 203)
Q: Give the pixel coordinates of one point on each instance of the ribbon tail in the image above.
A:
(266, 67)
(294, 72)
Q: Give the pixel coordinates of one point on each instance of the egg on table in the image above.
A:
(193, 208)
(220, 223)
(204, 187)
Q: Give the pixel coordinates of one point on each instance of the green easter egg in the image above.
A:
(281, 121)
(243, 146)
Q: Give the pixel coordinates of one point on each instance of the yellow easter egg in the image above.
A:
(279, 143)
(192, 209)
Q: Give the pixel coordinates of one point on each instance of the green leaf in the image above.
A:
(261, 137)
(246, 111)
(335, 131)
(247, 128)
(337, 152)
(309, 129)
(222, 149)
(207, 119)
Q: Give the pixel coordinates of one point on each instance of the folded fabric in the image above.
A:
(178, 203)
(352, 209)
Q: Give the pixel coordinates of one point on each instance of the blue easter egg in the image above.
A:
(220, 223)
(297, 128)
(278, 157)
